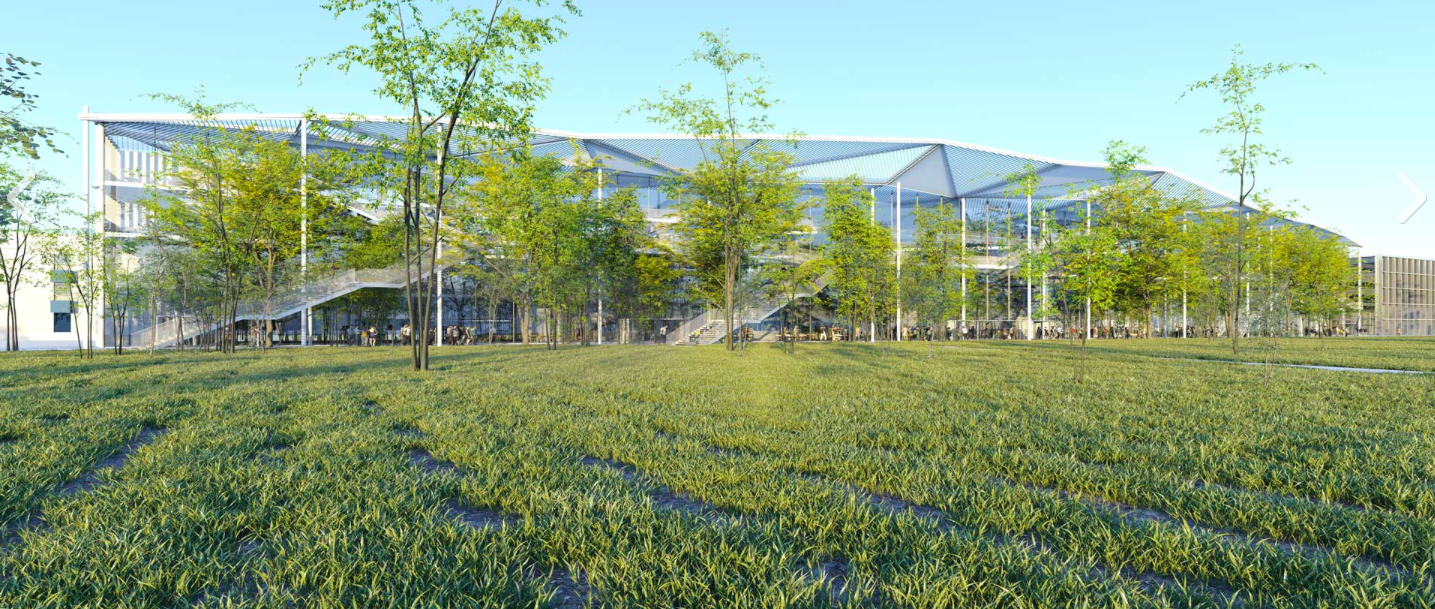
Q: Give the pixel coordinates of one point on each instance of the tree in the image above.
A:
(937, 263)
(1148, 225)
(29, 206)
(499, 226)
(196, 203)
(858, 254)
(1243, 157)
(1023, 184)
(161, 279)
(467, 83)
(617, 239)
(1090, 260)
(122, 288)
(79, 255)
(536, 226)
(1318, 271)
(280, 196)
(246, 200)
(740, 200)
(657, 276)
(16, 133)
(787, 278)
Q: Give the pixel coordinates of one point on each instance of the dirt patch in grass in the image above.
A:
(1140, 515)
(1143, 516)
(472, 517)
(421, 459)
(832, 574)
(889, 504)
(475, 518)
(663, 498)
(711, 449)
(1279, 498)
(11, 536)
(272, 454)
(372, 408)
(1129, 513)
(896, 505)
(115, 462)
(569, 592)
(724, 452)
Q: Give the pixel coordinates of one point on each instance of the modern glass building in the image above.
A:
(1403, 299)
(125, 153)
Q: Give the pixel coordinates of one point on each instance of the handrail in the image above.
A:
(290, 302)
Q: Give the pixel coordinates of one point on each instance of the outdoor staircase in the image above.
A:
(710, 333)
(166, 334)
(710, 327)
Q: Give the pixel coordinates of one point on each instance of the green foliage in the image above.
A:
(467, 83)
(1150, 228)
(536, 226)
(1243, 158)
(790, 276)
(371, 245)
(1318, 266)
(18, 135)
(937, 262)
(242, 200)
(741, 199)
(859, 254)
(81, 254)
(1091, 260)
(28, 230)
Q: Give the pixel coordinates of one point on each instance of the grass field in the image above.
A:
(848, 475)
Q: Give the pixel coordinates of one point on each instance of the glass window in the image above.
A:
(62, 322)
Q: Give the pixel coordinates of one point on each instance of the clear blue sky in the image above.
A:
(1052, 78)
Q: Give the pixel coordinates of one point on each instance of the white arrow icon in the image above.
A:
(16, 204)
(1420, 198)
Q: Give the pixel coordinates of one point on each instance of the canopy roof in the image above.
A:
(914, 171)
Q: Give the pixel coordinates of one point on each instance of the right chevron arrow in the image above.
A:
(1420, 198)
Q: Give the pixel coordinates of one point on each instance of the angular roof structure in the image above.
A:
(905, 172)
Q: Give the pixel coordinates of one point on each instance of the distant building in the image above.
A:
(47, 316)
(124, 154)
(1397, 296)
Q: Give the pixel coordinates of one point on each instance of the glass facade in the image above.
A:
(1404, 296)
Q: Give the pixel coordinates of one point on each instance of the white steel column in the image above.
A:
(1379, 283)
(872, 215)
(306, 317)
(1359, 290)
(964, 266)
(438, 250)
(438, 296)
(1045, 294)
(600, 289)
(89, 220)
(1087, 329)
(897, 211)
(96, 226)
(1184, 321)
(1030, 323)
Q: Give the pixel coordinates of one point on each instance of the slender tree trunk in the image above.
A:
(729, 285)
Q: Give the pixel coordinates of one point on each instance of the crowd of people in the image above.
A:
(372, 336)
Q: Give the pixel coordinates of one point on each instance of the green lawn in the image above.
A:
(848, 475)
